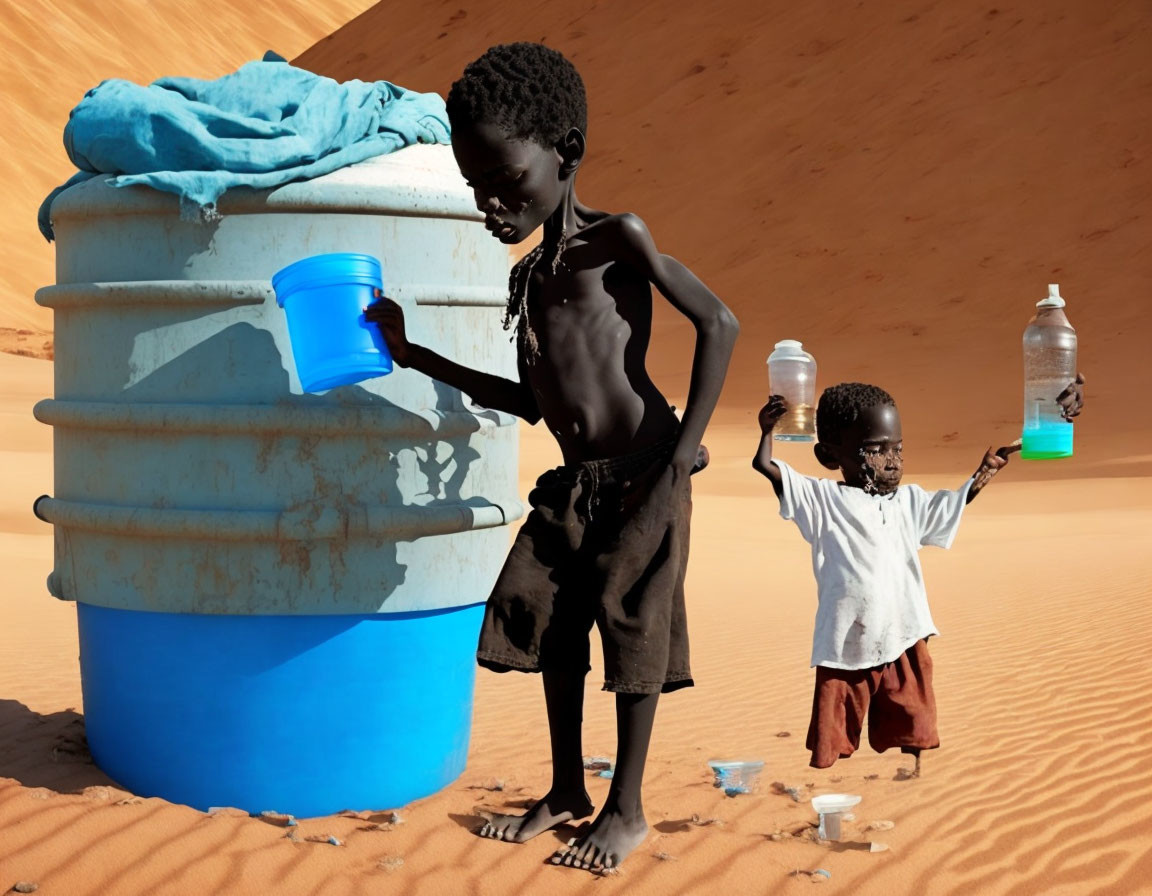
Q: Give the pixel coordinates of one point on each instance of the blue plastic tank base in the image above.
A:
(300, 714)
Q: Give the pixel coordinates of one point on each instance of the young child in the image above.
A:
(872, 623)
(606, 541)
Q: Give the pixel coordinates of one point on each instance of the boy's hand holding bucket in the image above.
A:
(389, 317)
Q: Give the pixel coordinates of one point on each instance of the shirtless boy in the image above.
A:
(606, 542)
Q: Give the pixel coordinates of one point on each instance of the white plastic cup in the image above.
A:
(829, 826)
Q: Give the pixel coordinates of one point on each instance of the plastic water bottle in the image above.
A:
(792, 374)
(1049, 366)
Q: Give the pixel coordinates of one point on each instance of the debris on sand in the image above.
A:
(72, 746)
(25, 886)
(390, 863)
(811, 833)
(596, 763)
(817, 876)
(323, 838)
(799, 793)
(226, 811)
(495, 785)
(805, 830)
(382, 821)
(704, 822)
(282, 819)
(664, 857)
(783, 733)
(880, 826)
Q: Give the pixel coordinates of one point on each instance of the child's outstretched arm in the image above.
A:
(485, 389)
(1071, 402)
(716, 330)
(762, 463)
(993, 463)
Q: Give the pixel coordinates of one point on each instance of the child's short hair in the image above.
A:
(529, 90)
(841, 405)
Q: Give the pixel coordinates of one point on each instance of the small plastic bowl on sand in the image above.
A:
(840, 803)
(736, 776)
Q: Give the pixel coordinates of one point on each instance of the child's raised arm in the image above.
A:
(484, 389)
(776, 408)
(993, 463)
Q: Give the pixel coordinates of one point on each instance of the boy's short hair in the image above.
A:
(529, 90)
(841, 405)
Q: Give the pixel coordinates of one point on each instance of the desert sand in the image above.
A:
(894, 184)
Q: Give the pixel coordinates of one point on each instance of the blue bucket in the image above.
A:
(324, 298)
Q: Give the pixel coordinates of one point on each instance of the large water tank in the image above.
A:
(278, 594)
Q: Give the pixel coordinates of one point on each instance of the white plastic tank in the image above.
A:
(278, 593)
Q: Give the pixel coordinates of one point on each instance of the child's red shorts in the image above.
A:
(896, 697)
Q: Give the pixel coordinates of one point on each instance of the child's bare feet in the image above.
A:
(549, 811)
(907, 774)
(610, 839)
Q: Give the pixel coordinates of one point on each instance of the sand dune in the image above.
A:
(912, 172)
(55, 50)
(917, 171)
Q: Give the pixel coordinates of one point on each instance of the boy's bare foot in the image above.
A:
(608, 841)
(548, 812)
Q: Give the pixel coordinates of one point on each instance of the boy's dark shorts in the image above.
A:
(606, 542)
(896, 697)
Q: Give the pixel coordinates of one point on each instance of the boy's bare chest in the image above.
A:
(573, 304)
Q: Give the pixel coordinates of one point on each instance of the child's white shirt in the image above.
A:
(865, 554)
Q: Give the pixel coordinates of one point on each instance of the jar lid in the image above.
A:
(788, 348)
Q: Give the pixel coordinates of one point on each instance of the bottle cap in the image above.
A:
(1054, 300)
(788, 348)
